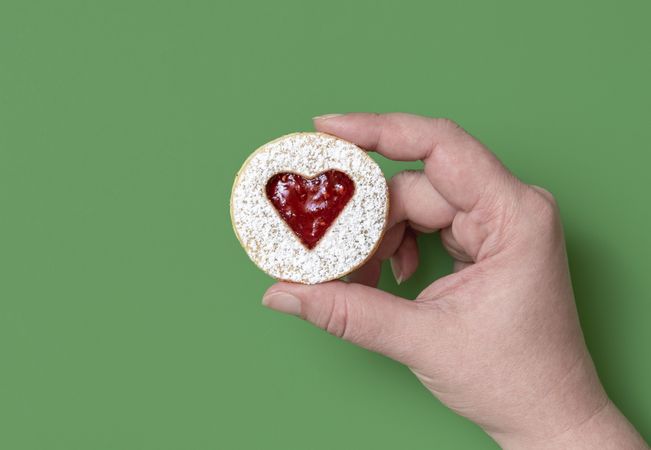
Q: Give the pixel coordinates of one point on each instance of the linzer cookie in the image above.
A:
(309, 207)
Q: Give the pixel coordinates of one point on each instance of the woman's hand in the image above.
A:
(498, 341)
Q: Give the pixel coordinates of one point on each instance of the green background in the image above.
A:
(130, 317)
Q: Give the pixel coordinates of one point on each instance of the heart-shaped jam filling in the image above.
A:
(310, 205)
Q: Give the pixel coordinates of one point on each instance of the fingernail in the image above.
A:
(326, 116)
(397, 273)
(283, 302)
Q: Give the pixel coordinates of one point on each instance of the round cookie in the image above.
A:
(309, 207)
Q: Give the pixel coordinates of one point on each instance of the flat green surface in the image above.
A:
(130, 316)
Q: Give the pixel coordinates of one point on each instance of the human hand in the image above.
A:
(498, 341)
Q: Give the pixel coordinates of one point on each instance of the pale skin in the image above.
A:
(498, 341)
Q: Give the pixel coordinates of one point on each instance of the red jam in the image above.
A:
(310, 205)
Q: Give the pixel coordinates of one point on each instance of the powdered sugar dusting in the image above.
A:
(269, 241)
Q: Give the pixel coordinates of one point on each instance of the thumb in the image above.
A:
(368, 317)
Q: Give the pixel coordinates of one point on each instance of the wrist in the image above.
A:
(606, 428)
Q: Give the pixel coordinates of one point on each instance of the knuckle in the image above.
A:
(548, 211)
(451, 128)
(545, 207)
(447, 124)
(545, 193)
(547, 201)
(404, 178)
(337, 322)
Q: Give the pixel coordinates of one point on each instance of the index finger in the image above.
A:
(459, 167)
